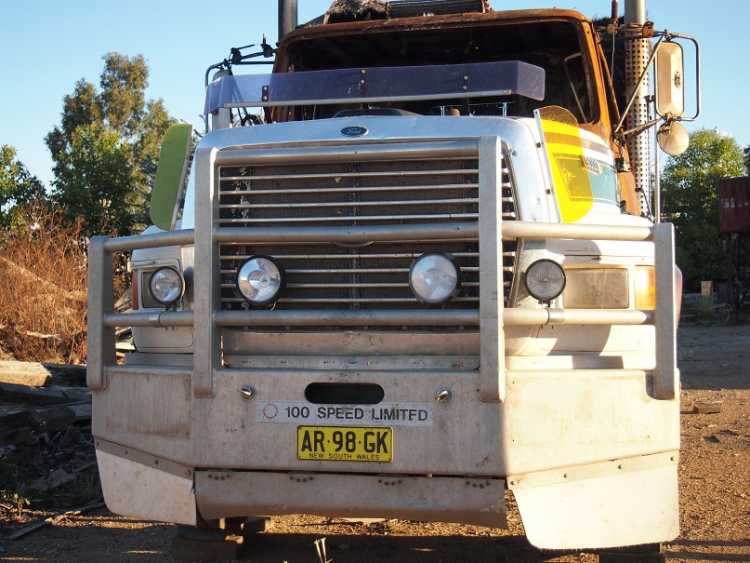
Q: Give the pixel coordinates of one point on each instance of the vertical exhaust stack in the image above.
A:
(636, 58)
(287, 17)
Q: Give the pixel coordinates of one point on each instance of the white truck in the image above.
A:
(412, 268)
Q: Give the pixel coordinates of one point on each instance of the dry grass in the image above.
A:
(43, 289)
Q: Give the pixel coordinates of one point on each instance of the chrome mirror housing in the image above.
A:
(670, 80)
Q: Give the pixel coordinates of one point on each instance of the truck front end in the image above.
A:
(408, 285)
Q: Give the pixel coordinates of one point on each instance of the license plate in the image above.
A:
(345, 443)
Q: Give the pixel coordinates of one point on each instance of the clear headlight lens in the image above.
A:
(545, 279)
(434, 278)
(166, 285)
(259, 280)
(596, 288)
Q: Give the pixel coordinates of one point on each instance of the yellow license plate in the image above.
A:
(345, 443)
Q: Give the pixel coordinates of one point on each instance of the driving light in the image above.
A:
(166, 285)
(673, 138)
(434, 278)
(545, 280)
(259, 280)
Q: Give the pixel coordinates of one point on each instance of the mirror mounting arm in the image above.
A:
(640, 129)
(641, 78)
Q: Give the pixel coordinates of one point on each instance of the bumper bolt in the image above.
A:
(443, 394)
(248, 392)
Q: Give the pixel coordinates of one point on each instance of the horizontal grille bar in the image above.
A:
(404, 317)
(363, 271)
(354, 174)
(364, 285)
(347, 285)
(365, 300)
(366, 270)
(354, 190)
(446, 216)
(346, 204)
(343, 153)
(357, 256)
(349, 234)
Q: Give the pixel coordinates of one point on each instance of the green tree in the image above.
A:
(690, 184)
(106, 148)
(17, 186)
(747, 159)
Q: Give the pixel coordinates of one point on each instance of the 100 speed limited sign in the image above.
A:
(392, 414)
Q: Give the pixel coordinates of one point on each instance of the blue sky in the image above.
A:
(46, 45)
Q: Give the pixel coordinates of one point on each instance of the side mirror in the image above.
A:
(670, 80)
(171, 173)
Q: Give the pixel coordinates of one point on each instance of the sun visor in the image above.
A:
(378, 84)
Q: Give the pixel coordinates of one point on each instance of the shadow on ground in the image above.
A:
(115, 540)
(714, 357)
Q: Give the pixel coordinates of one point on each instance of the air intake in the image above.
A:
(412, 8)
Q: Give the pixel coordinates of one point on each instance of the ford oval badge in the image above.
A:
(354, 131)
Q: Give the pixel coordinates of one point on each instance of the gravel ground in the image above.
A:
(714, 486)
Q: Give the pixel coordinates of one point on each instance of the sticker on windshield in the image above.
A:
(581, 167)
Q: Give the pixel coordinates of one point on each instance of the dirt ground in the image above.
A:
(714, 486)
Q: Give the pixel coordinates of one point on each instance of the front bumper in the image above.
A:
(145, 486)
(615, 503)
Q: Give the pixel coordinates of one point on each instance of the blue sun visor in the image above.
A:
(378, 84)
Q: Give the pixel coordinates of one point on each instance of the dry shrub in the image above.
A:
(43, 289)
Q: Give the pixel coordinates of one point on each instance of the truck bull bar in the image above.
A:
(491, 318)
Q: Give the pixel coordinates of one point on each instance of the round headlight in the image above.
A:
(259, 280)
(166, 285)
(545, 279)
(434, 278)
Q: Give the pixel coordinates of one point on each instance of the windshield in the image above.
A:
(377, 85)
(555, 45)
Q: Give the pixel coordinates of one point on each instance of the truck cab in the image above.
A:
(408, 272)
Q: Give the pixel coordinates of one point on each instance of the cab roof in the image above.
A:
(470, 19)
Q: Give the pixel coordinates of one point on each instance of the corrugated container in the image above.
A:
(734, 205)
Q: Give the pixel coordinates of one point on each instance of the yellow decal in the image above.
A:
(569, 168)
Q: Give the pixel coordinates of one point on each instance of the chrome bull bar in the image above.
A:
(207, 318)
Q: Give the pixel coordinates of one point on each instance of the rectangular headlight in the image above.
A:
(596, 288)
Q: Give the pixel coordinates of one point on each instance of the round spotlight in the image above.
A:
(673, 138)
(259, 280)
(434, 278)
(166, 286)
(545, 279)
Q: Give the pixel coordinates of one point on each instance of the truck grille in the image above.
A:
(355, 193)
